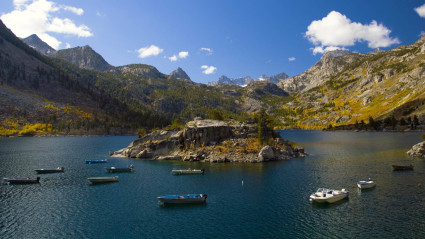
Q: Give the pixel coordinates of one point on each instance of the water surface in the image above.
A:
(272, 201)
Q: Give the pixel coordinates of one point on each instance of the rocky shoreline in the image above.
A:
(418, 150)
(210, 141)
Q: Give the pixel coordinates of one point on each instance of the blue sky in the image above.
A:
(223, 37)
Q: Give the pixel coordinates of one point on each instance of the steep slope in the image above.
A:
(356, 87)
(36, 43)
(84, 57)
(43, 95)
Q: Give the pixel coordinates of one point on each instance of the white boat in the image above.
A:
(95, 180)
(366, 184)
(323, 195)
(183, 198)
(187, 171)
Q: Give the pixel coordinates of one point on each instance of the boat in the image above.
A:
(22, 180)
(366, 184)
(95, 180)
(187, 171)
(325, 195)
(120, 170)
(402, 167)
(182, 198)
(90, 161)
(54, 170)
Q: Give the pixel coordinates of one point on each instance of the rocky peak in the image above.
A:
(179, 74)
(83, 57)
(36, 43)
(335, 53)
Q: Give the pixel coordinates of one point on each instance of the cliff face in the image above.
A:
(209, 141)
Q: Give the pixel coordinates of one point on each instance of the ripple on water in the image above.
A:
(271, 203)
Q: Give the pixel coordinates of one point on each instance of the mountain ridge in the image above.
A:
(244, 81)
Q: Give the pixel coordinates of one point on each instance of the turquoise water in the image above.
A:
(272, 201)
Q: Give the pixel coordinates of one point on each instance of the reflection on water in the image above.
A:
(272, 202)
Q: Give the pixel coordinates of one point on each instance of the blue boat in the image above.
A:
(183, 198)
(96, 161)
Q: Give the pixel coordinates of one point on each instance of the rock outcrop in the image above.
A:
(210, 141)
(418, 150)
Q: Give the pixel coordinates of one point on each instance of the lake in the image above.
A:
(272, 201)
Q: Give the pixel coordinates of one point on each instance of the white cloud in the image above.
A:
(208, 69)
(291, 59)
(421, 11)
(183, 54)
(152, 50)
(19, 3)
(336, 30)
(78, 11)
(321, 49)
(66, 26)
(173, 58)
(67, 45)
(41, 17)
(207, 50)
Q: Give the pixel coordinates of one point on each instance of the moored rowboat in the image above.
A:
(55, 170)
(90, 161)
(22, 180)
(95, 180)
(366, 184)
(402, 167)
(187, 171)
(183, 198)
(120, 170)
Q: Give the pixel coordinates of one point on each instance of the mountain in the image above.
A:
(344, 88)
(83, 57)
(244, 81)
(274, 79)
(179, 73)
(36, 43)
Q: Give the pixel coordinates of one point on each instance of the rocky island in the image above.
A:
(418, 150)
(212, 141)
